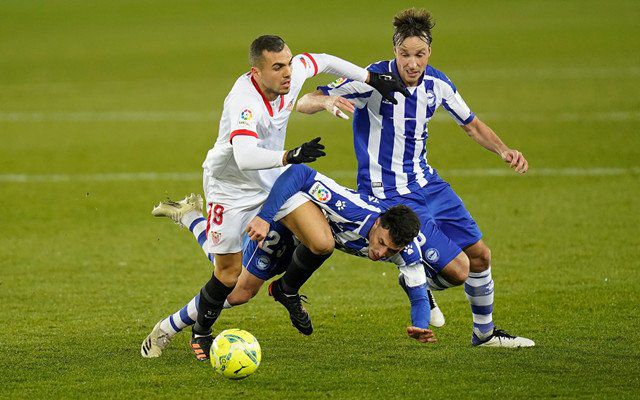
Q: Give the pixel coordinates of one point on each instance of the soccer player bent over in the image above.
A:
(245, 161)
(390, 146)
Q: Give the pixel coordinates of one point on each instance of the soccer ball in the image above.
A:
(235, 354)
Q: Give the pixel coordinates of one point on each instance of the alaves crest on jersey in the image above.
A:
(319, 192)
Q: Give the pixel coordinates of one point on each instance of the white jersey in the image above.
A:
(248, 112)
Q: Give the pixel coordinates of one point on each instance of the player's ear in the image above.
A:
(429, 50)
(255, 72)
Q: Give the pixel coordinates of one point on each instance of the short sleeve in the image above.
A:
(454, 103)
(358, 92)
(244, 115)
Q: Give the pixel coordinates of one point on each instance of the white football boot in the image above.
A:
(177, 209)
(500, 338)
(437, 317)
(155, 342)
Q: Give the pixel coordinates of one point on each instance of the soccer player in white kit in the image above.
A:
(247, 158)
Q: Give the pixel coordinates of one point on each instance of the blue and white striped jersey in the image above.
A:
(351, 215)
(390, 141)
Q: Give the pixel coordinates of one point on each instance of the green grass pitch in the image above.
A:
(93, 89)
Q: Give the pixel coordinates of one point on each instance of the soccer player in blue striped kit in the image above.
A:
(390, 146)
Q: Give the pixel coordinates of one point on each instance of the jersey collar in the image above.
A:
(366, 226)
(394, 68)
(264, 98)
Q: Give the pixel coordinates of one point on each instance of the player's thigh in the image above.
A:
(309, 225)
(226, 222)
(438, 250)
(273, 257)
(451, 215)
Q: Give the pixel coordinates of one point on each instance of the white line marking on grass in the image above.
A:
(196, 116)
(196, 176)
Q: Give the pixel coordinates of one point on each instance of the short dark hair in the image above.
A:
(403, 224)
(271, 43)
(412, 22)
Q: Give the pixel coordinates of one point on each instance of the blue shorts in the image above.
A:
(274, 256)
(436, 249)
(450, 214)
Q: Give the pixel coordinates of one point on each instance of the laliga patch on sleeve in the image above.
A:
(246, 117)
(337, 83)
(320, 193)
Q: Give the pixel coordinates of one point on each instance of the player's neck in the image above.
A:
(268, 94)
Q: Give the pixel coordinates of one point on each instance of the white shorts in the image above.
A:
(227, 219)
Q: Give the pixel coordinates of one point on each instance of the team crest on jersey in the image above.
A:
(337, 83)
(215, 237)
(431, 98)
(320, 193)
(263, 262)
(432, 255)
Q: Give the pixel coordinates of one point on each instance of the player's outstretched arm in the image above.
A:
(305, 153)
(314, 102)
(487, 138)
(387, 84)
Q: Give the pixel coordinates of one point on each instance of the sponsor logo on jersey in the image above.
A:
(373, 199)
(340, 205)
(246, 116)
(337, 83)
(432, 255)
(320, 193)
(431, 98)
(263, 263)
(376, 184)
(408, 249)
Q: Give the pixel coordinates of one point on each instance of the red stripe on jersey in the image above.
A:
(240, 132)
(264, 98)
(281, 103)
(315, 66)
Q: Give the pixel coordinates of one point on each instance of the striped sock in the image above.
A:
(198, 226)
(479, 290)
(182, 318)
(438, 283)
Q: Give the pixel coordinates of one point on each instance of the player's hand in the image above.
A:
(257, 229)
(386, 84)
(516, 160)
(306, 152)
(421, 335)
(338, 106)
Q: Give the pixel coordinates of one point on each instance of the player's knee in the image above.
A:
(240, 296)
(323, 245)
(481, 261)
(228, 276)
(459, 271)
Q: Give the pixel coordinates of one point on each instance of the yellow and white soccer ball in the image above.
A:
(235, 354)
